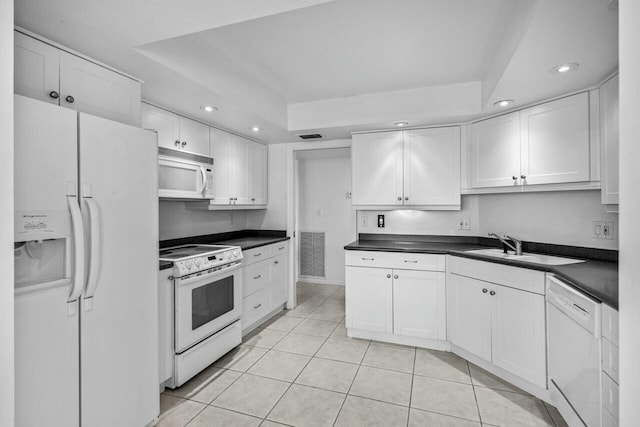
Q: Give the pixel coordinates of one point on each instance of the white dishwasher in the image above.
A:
(574, 351)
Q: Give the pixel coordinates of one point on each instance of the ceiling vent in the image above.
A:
(310, 136)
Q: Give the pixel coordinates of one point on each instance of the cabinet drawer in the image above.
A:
(513, 277)
(255, 306)
(610, 324)
(279, 248)
(257, 276)
(396, 260)
(610, 357)
(610, 399)
(254, 255)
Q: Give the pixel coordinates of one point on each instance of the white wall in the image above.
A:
(176, 221)
(323, 206)
(422, 222)
(553, 217)
(629, 13)
(6, 214)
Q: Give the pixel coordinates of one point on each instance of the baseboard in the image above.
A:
(397, 339)
(308, 279)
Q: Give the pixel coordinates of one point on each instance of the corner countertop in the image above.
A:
(246, 239)
(597, 278)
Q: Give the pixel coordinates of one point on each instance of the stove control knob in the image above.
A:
(197, 262)
(236, 253)
(188, 264)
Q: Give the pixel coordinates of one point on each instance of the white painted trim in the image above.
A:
(594, 135)
(399, 339)
(75, 53)
(407, 207)
(292, 172)
(571, 186)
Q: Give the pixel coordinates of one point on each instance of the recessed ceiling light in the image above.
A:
(504, 102)
(564, 68)
(255, 128)
(400, 124)
(208, 108)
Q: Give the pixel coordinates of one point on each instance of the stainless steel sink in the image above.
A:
(526, 257)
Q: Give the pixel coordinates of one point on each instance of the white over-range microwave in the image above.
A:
(183, 175)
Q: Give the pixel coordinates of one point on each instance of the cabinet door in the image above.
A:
(164, 123)
(609, 101)
(555, 141)
(432, 166)
(194, 136)
(419, 304)
(90, 88)
(36, 69)
(257, 173)
(495, 151)
(376, 160)
(220, 149)
(239, 170)
(369, 299)
(518, 333)
(469, 315)
(279, 282)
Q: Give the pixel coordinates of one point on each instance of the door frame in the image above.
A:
(292, 204)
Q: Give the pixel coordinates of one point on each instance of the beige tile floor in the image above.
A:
(301, 369)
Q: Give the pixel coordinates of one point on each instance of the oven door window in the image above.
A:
(211, 301)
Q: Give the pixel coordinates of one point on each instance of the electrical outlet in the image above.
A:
(602, 230)
(464, 224)
(318, 212)
(364, 219)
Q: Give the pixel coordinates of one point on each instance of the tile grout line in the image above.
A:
(475, 396)
(413, 375)
(351, 385)
(299, 373)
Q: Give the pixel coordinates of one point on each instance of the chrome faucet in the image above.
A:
(518, 244)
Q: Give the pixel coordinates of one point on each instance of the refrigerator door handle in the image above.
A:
(94, 225)
(78, 248)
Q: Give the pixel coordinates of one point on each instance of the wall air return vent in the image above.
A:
(311, 254)
(310, 136)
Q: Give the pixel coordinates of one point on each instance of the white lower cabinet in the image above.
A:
(503, 325)
(265, 275)
(610, 367)
(398, 302)
(369, 299)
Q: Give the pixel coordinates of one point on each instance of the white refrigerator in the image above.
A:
(86, 257)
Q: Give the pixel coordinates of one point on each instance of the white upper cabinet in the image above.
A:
(377, 169)
(257, 173)
(432, 166)
(240, 170)
(555, 141)
(53, 75)
(164, 123)
(411, 168)
(176, 132)
(546, 144)
(495, 151)
(37, 69)
(609, 102)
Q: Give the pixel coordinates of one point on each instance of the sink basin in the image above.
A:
(527, 257)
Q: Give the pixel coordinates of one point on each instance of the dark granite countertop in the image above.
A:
(596, 277)
(246, 239)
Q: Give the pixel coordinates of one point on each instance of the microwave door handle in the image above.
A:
(203, 174)
(78, 248)
(94, 250)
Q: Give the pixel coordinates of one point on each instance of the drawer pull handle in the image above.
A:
(257, 306)
(275, 262)
(257, 277)
(281, 248)
(367, 259)
(412, 261)
(258, 254)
